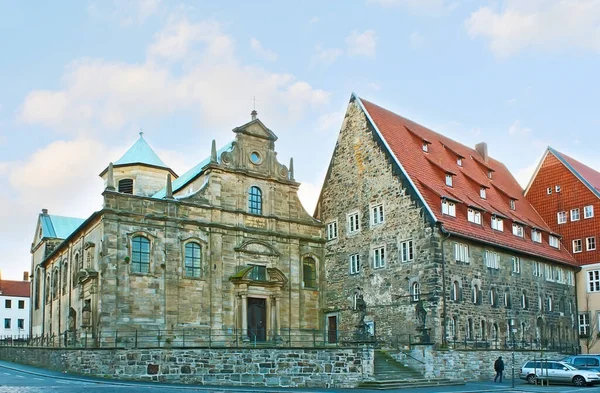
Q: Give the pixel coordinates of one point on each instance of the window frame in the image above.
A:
(376, 214)
(132, 185)
(512, 204)
(379, 255)
(585, 211)
(354, 262)
(593, 281)
(563, 215)
(575, 214)
(516, 263)
(132, 252)
(332, 230)
(593, 243)
(8, 304)
(577, 246)
(408, 246)
(255, 200)
(492, 263)
(19, 303)
(449, 180)
(349, 220)
(536, 236)
(553, 239)
(518, 230)
(482, 193)
(497, 223)
(474, 216)
(415, 291)
(583, 323)
(448, 208)
(306, 284)
(200, 245)
(461, 250)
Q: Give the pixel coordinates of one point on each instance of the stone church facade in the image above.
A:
(225, 248)
(431, 241)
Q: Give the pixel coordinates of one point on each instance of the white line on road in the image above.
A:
(19, 376)
(6, 373)
(39, 379)
(63, 382)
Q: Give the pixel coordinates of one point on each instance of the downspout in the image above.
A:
(444, 309)
(576, 312)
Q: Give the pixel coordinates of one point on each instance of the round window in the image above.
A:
(255, 158)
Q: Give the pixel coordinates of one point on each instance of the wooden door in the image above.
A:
(332, 332)
(257, 319)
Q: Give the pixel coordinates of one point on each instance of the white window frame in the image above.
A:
(455, 291)
(407, 251)
(593, 281)
(575, 215)
(415, 291)
(516, 262)
(425, 147)
(353, 222)
(553, 241)
(549, 190)
(538, 269)
(377, 214)
(577, 246)
(588, 211)
(523, 300)
(518, 230)
(459, 161)
(448, 179)
(497, 223)
(332, 230)
(474, 216)
(557, 188)
(561, 217)
(492, 259)
(482, 192)
(590, 243)
(536, 236)
(461, 252)
(570, 278)
(379, 255)
(584, 323)
(448, 208)
(354, 261)
(548, 273)
(512, 204)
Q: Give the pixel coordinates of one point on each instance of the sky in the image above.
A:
(80, 79)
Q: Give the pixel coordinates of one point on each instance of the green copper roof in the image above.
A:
(59, 227)
(190, 175)
(140, 153)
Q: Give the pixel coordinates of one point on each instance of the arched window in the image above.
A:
(309, 272)
(255, 200)
(540, 303)
(493, 297)
(47, 289)
(550, 304)
(37, 288)
(126, 186)
(55, 283)
(65, 276)
(483, 330)
(355, 300)
(469, 329)
(495, 333)
(193, 260)
(140, 255)
(476, 294)
(74, 270)
(415, 291)
(452, 328)
(455, 292)
(507, 299)
(523, 300)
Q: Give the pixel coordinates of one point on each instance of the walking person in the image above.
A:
(499, 368)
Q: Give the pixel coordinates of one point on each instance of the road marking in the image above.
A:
(39, 379)
(63, 382)
(19, 376)
(6, 373)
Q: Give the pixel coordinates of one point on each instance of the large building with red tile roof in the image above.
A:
(14, 308)
(432, 239)
(566, 193)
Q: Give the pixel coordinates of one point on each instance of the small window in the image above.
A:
(353, 223)
(490, 174)
(497, 223)
(590, 243)
(593, 280)
(512, 204)
(425, 147)
(126, 186)
(516, 262)
(588, 211)
(258, 273)
(561, 217)
(377, 216)
(476, 294)
(577, 246)
(21, 304)
(406, 249)
(332, 230)
(538, 269)
(553, 241)
(461, 252)
(524, 300)
(255, 200)
(459, 161)
(518, 230)
(455, 292)
(482, 192)
(193, 260)
(493, 297)
(354, 264)
(309, 272)
(255, 158)
(448, 180)
(575, 214)
(448, 208)
(415, 291)
(536, 236)
(7, 303)
(140, 255)
(379, 257)
(20, 323)
(557, 188)
(549, 190)
(474, 216)
(492, 259)
(6, 323)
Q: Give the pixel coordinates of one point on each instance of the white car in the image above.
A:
(557, 372)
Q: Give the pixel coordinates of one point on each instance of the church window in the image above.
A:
(74, 269)
(415, 291)
(55, 283)
(193, 260)
(309, 272)
(255, 158)
(140, 255)
(65, 277)
(47, 289)
(37, 289)
(255, 200)
(126, 186)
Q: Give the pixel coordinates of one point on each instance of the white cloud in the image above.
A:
(325, 56)
(523, 175)
(313, 20)
(423, 7)
(362, 44)
(330, 121)
(101, 96)
(261, 51)
(545, 24)
(126, 13)
(309, 191)
(374, 86)
(416, 40)
(518, 129)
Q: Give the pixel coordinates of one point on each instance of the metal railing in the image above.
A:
(195, 338)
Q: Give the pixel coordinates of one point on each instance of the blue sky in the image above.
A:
(78, 80)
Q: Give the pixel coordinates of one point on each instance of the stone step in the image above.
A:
(409, 383)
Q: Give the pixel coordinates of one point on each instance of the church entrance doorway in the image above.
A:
(257, 319)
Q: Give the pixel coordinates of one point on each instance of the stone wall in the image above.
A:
(470, 365)
(343, 368)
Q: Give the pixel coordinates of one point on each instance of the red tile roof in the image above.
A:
(426, 170)
(14, 288)
(590, 175)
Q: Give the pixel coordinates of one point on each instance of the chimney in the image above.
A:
(481, 148)
(45, 212)
(25, 276)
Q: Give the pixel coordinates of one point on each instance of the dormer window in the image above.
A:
(459, 161)
(490, 174)
(497, 223)
(553, 241)
(512, 204)
(474, 216)
(518, 230)
(448, 208)
(536, 236)
(482, 192)
(448, 180)
(425, 147)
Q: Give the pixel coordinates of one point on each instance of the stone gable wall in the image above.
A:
(341, 368)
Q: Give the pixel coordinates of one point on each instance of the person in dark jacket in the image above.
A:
(499, 368)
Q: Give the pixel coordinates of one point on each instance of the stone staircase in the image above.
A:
(391, 374)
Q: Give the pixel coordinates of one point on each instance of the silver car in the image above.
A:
(557, 372)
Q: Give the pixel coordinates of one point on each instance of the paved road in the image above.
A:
(16, 378)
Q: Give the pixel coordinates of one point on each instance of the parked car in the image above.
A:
(584, 362)
(557, 372)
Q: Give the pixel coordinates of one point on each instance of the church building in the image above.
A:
(225, 251)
